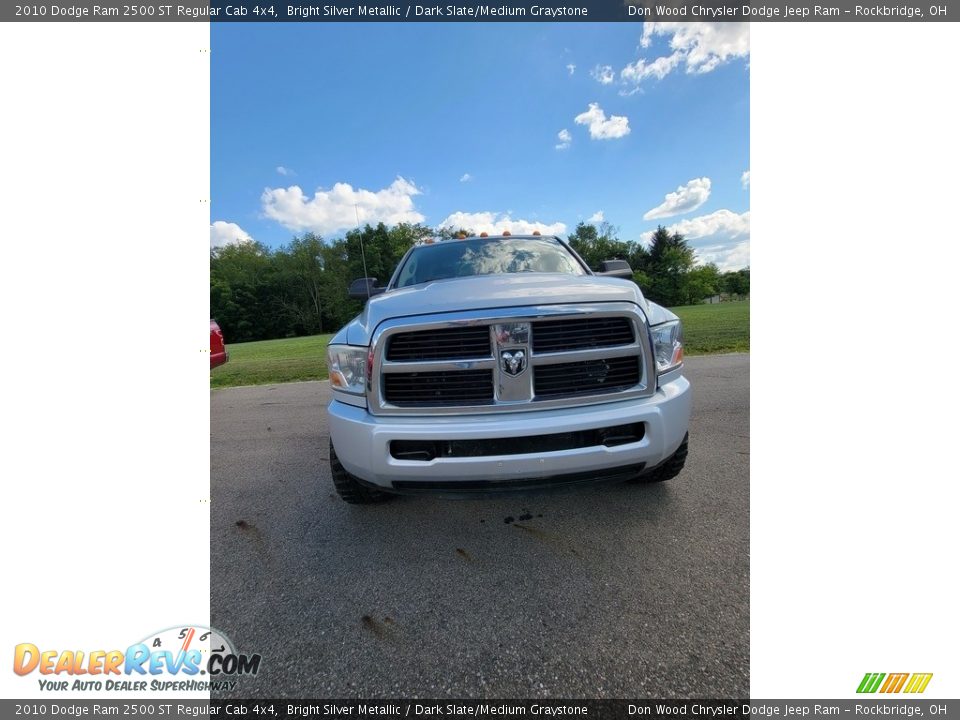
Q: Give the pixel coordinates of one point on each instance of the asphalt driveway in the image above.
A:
(598, 591)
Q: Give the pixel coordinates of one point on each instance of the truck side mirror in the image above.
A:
(616, 268)
(362, 288)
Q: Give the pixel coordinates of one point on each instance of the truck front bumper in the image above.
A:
(363, 443)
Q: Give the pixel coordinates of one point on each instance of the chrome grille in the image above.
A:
(509, 360)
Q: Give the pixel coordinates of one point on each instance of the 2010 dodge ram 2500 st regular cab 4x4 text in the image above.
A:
(502, 362)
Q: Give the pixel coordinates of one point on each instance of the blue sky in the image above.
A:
(491, 126)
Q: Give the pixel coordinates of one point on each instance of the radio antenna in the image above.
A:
(363, 255)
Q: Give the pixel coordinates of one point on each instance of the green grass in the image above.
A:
(720, 328)
(707, 329)
(273, 361)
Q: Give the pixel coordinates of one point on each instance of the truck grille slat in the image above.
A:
(441, 344)
(586, 378)
(439, 388)
(581, 334)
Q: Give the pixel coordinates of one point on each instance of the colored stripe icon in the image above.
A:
(918, 683)
(894, 682)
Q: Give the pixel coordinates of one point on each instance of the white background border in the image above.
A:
(853, 485)
(105, 296)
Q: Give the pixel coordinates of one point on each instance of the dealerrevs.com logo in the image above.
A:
(183, 658)
(894, 682)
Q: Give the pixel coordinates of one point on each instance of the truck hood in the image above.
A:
(483, 292)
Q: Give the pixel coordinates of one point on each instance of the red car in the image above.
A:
(218, 351)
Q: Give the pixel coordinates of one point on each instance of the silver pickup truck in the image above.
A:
(491, 363)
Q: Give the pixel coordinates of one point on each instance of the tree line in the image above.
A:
(258, 293)
(665, 270)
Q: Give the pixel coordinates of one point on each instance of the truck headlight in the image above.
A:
(668, 345)
(348, 368)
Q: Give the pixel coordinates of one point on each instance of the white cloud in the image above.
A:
(495, 223)
(704, 45)
(722, 237)
(686, 199)
(745, 179)
(641, 70)
(699, 47)
(726, 257)
(571, 68)
(718, 225)
(565, 139)
(603, 127)
(284, 171)
(335, 209)
(466, 177)
(597, 217)
(603, 74)
(227, 233)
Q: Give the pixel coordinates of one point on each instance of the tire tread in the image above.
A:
(671, 468)
(348, 487)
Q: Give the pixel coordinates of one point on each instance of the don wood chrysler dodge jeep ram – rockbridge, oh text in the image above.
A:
(491, 363)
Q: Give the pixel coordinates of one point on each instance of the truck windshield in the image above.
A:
(486, 256)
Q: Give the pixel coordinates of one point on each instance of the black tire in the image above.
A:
(669, 469)
(348, 487)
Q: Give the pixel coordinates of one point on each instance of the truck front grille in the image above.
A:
(458, 343)
(523, 358)
(580, 334)
(586, 378)
(419, 389)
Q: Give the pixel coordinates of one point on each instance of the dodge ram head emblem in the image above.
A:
(513, 362)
